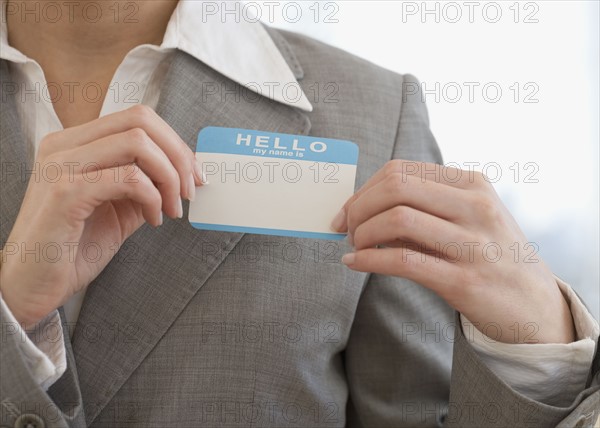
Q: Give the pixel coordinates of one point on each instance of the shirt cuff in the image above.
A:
(553, 373)
(43, 347)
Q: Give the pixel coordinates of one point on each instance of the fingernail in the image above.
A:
(191, 187)
(338, 222)
(160, 219)
(348, 259)
(350, 239)
(179, 208)
(200, 173)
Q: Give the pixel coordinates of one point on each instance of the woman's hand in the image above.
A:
(447, 229)
(108, 177)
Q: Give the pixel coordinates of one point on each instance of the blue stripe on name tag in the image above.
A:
(250, 142)
(262, 231)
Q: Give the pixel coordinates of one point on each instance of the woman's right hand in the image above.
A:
(105, 179)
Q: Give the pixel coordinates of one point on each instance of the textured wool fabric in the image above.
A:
(203, 328)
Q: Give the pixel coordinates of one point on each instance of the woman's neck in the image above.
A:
(84, 41)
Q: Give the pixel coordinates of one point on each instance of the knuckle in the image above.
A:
(452, 174)
(185, 153)
(138, 138)
(480, 179)
(154, 197)
(188, 153)
(471, 244)
(54, 169)
(48, 142)
(62, 188)
(140, 184)
(173, 179)
(359, 236)
(392, 166)
(402, 217)
(396, 181)
(487, 207)
(141, 114)
(50, 159)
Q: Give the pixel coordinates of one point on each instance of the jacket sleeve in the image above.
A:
(23, 401)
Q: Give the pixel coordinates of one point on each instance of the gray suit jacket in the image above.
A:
(202, 328)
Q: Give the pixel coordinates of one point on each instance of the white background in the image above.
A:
(558, 56)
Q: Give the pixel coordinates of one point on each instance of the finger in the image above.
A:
(408, 225)
(399, 189)
(451, 177)
(140, 116)
(141, 191)
(135, 148)
(438, 275)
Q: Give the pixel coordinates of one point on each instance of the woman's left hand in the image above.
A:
(448, 230)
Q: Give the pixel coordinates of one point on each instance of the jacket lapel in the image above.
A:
(14, 157)
(131, 305)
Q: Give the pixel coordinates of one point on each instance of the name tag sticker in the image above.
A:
(272, 184)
